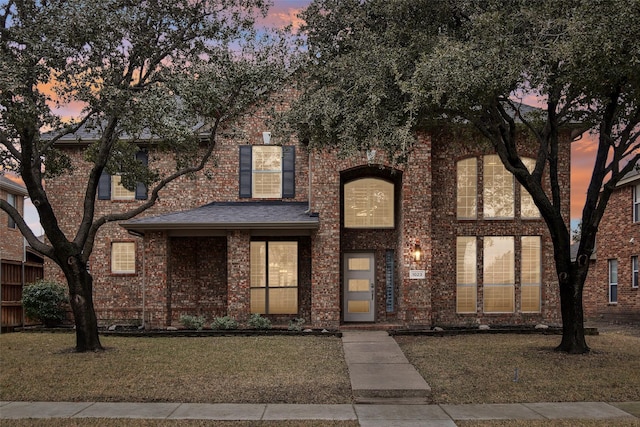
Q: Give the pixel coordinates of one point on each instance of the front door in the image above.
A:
(359, 287)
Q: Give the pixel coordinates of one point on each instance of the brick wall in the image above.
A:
(209, 275)
(12, 246)
(615, 233)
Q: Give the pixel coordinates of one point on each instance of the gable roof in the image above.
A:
(13, 187)
(266, 215)
(629, 178)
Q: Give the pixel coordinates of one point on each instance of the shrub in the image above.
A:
(192, 322)
(225, 322)
(296, 324)
(45, 301)
(259, 322)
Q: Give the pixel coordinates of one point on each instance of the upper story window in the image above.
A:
(467, 186)
(636, 203)
(528, 209)
(369, 203)
(13, 201)
(110, 187)
(498, 190)
(118, 192)
(267, 171)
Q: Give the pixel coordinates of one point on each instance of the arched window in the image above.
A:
(369, 203)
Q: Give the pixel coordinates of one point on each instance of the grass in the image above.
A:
(482, 369)
(266, 369)
(304, 369)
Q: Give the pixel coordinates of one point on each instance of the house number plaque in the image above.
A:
(417, 274)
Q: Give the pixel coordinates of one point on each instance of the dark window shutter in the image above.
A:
(245, 171)
(141, 189)
(104, 186)
(288, 171)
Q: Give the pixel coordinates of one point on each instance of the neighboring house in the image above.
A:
(449, 238)
(19, 264)
(11, 240)
(612, 292)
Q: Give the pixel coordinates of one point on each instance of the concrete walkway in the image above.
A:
(380, 372)
(367, 415)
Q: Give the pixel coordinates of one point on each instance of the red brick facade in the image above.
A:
(618, 241)
(12, 242)
(207, 272)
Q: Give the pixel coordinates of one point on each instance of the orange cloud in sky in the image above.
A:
(284, 13)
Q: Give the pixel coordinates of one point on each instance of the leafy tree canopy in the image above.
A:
(172, 72)
(379, 71)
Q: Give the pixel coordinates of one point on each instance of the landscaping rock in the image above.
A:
(484, 327)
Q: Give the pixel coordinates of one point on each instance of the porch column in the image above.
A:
(238, 275)
(156, 289)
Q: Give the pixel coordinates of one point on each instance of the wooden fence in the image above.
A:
(13, 276)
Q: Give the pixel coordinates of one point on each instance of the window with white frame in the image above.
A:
(634, 271)
(13, 201)
(467, 188)
(369, 203)
(498, 189)
(499, 274)
(118, 192)
(530, 274)
(636, 203)
(528, 209)
(274, 277)
(123, 257)
(466, 274)
(267, 171)
(613, 280)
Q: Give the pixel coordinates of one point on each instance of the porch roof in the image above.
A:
(266, 215)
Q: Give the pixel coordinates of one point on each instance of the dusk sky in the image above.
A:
(285, 12)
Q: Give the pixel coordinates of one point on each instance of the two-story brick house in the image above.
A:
(612, 291)
(448, 238)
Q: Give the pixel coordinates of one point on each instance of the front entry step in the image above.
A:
(380, 372)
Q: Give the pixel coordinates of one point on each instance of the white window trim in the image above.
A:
(636, 203)
(611, 282)
(116, 186)
(113, 261)
(634, 271)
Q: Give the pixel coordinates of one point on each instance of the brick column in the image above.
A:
(238, 275)
(414, 305)
(156, 287)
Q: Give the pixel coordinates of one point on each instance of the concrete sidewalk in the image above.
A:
(368, 415)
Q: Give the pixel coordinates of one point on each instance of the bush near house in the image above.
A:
(193, 322)
(45, 301)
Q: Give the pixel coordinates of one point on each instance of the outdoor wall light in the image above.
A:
(266, 138)
(417, 253)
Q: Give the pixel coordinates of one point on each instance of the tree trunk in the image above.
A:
(573, 340)
(81, 300)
